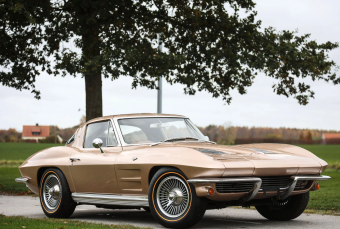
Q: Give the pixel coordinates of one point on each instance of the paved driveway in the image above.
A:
(226, 218)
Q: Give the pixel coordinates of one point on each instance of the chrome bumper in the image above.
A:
(296, 178)
(22, 180)
(257, 183)
(251, 194)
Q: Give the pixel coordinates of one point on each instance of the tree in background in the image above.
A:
(10, 135)
(225, 134)
(301, 136)
(309, 136)
(209, 46)
(228, 134)
(82, 119)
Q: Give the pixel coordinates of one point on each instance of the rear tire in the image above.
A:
(173, 201)
(289, 209)
(55, 195)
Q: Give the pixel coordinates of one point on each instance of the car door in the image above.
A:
(93, 171)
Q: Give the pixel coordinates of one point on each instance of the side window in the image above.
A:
(72, 138)
(133, 134)
(96, 130)
(111, 140)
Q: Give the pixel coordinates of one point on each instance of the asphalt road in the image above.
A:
(28, 206)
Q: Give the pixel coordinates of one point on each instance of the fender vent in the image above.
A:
(210, 151)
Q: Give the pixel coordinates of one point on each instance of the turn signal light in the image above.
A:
(317, 186)
(211, 191)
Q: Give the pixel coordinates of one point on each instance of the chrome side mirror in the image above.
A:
(207, 138)
(97, 143)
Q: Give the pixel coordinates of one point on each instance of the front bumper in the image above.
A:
(26, 180)
(22, 180)
(205, 183)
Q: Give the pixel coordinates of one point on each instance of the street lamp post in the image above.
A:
(159, 92)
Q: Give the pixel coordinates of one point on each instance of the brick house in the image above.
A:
(34, 133)
(331, 138)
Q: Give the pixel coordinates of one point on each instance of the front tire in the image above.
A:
(173, 201)
(288, 209)
(55, 195)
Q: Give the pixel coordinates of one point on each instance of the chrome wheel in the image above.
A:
(172, 196)
(52, 191)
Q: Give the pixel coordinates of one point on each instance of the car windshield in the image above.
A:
(153, 130)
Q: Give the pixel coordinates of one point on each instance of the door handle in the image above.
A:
(74, 159)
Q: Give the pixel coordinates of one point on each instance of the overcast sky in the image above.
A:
(63, 97)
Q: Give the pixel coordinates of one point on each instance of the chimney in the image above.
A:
(36, 124)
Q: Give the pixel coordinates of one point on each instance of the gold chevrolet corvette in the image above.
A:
(165, 165)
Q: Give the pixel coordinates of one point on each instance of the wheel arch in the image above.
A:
(154, 170)
(41, 171)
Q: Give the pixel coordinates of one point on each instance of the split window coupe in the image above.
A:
(165, 165)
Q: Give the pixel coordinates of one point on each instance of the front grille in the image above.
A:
(267, 182)
(234, 187)
(280, 182)
(301, 185)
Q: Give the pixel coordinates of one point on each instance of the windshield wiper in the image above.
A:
(175, 139)
(179, 138)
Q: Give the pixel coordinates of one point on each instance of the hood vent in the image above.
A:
(261, 151)
(210, 151)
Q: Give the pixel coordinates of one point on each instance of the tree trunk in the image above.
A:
(94, 101)
(92, 72)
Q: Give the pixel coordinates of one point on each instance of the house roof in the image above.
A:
(36, 129)
(27, 131)
(331, 135)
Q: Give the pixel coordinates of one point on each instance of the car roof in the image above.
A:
(135, 116)
(146, 115)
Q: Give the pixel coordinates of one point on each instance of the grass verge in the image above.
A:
(328, 197)
(21, 150)
(21, 222)
(328, 153)
(7, 183)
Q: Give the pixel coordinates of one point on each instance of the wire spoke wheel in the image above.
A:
(52, 191)
(172, 196)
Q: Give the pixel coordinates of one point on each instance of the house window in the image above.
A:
(35, 133)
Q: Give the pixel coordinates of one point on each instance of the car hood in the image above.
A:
(261, 159)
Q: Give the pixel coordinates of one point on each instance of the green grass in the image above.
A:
(7, 183)
(11, 156)
(21, 150)
(10, 222)
(328, 153)
(328, 196)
